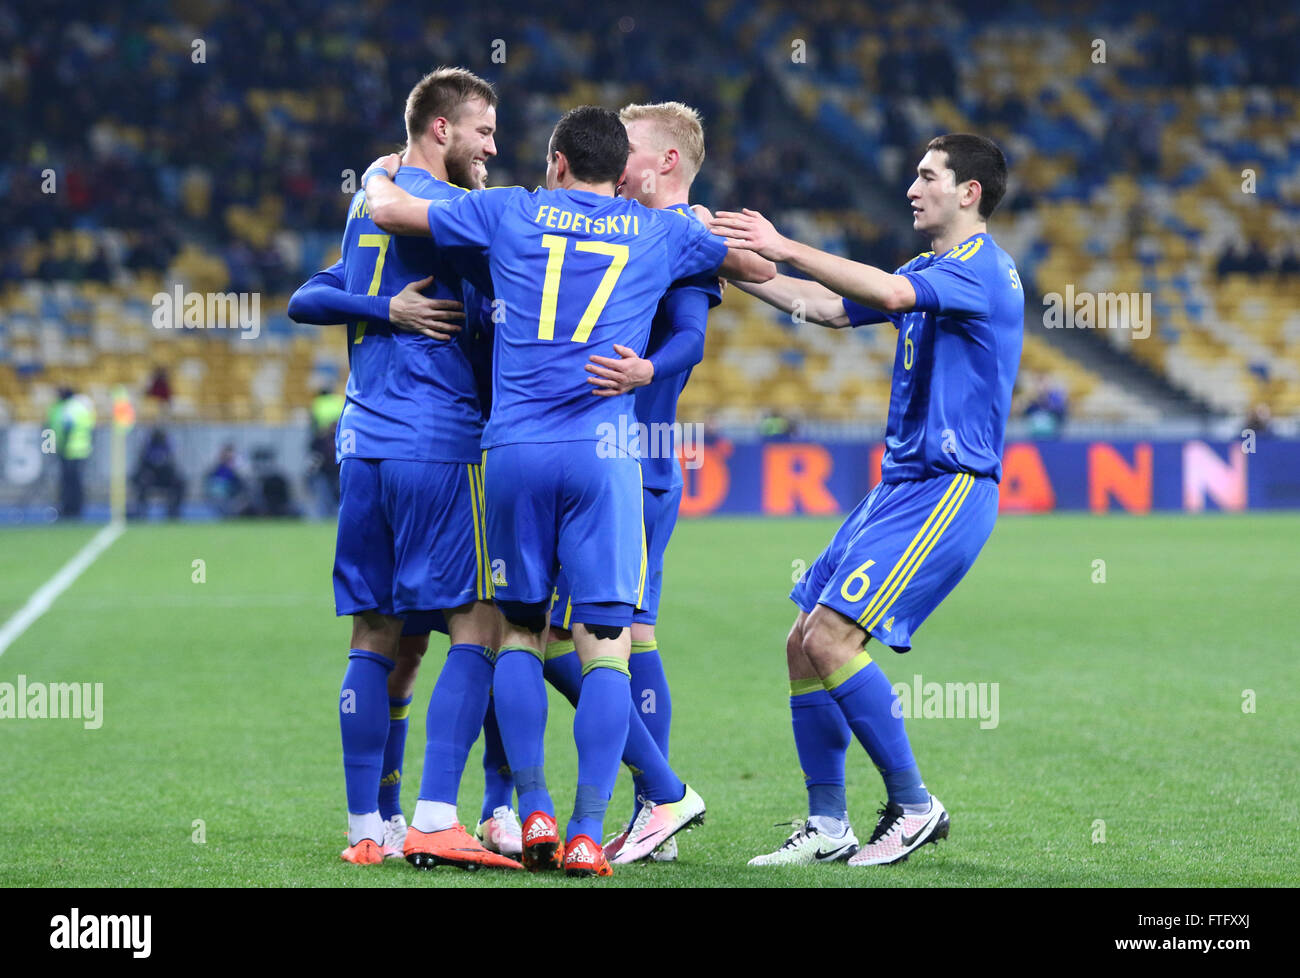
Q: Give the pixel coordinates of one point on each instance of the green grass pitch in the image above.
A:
(1147, 730)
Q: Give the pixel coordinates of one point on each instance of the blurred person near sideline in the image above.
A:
(225, 488)
(157, 473)
(323, 466)
(72, 419)
(1048, 409)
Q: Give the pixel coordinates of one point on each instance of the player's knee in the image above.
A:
(818, 647)
(531, 617)
(412, 647)
(794, 644)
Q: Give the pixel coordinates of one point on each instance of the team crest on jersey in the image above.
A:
(498, 573)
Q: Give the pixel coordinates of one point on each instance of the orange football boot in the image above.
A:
(583, 857)
(541, 843)
(451, 847)
(367, 852)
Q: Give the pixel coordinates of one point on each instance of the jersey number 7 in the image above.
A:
(379, 241)
(551, 286)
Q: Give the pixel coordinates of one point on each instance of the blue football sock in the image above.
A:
(821, 738)
(390, 783)
(563, 669)
(363, 723)
(498, 785)
(520, 693)
(454, 720)
(600, 731)
(867, 700)
(651, 772)
(651, 699)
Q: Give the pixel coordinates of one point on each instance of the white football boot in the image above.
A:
(898, 835)
(394, 836)
(502, 833)
(808, 845)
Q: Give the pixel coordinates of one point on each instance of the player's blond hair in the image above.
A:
(442, 93)
(679, 127)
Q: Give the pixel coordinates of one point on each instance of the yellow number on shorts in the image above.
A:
(858, 575)
(379, 241)
(556, 244)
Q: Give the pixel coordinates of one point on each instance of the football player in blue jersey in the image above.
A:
(666, 143)
(959, 312)
(411, 552)
(576, 269)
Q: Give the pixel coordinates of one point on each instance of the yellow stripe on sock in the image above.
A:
(558, 648)
(847, 671)
(399, 712)
(924, 552)
(902, 561)
(521, 648)
(607, 662)
(801, 687)
(650, 645)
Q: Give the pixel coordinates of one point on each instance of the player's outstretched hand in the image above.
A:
(438, 319)
(752, 231)
(614, 377)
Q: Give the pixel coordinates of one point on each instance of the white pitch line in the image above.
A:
(48, 593)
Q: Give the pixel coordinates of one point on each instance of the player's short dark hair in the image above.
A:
(594, 141)
(972, 157)
(441, 94)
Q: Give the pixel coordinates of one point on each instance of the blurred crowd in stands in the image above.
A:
(217, 144)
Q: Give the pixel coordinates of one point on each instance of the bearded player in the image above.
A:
(959, 312)
(411, 552)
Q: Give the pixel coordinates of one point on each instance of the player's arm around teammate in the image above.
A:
(323, 301)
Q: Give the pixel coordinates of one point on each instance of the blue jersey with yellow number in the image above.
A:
(409, 396)
(956, 362)
(574, 273)
(656, 403)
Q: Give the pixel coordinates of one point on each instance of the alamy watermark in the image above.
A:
(1098, 310)
(53, 701)
(656, 440)
(179, 309)
(98, 932)
(947, 701)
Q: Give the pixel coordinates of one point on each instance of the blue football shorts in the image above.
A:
(411, 540)
(900, 552)
(660, 508)
(559, 504)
